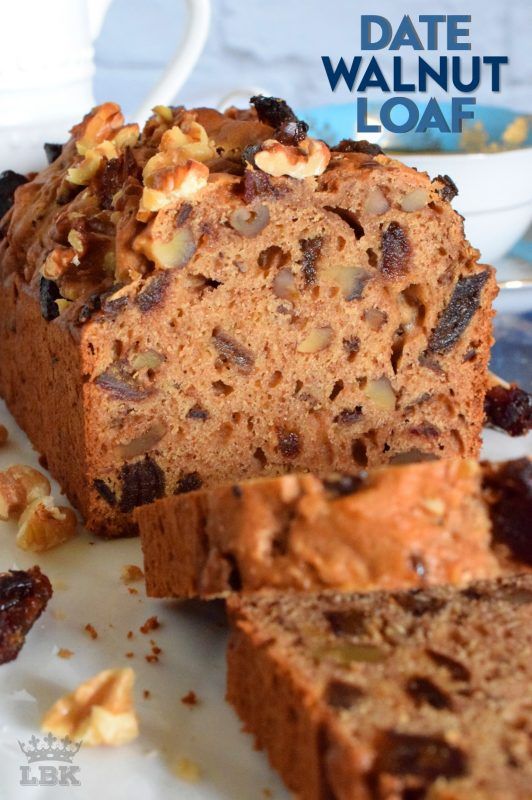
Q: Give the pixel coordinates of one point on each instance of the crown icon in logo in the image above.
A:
(49, 749)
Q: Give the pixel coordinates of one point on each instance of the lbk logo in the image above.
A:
(47, 750)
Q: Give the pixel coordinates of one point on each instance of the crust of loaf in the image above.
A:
(400, 527)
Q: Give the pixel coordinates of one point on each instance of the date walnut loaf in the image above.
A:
(420, 695)
(448, 521)
(221, 296)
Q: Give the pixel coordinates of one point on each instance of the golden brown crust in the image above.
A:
(396, 527)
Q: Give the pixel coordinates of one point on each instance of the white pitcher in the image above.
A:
(47, 66)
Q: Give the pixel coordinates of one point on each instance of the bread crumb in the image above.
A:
(58, 614)
(190, 699)
(3, 435)
(267, 793)
(130, 655)
(152, 659)
(64, 652)
(91, 630)
(151, 624)
(187, 770)
(131, 573)
(130, 634)
(146, 694)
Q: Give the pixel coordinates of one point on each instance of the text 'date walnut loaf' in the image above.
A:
(448, 521)
(222, 296)
(421, 695)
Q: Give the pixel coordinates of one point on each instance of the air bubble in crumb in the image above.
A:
(187, 770)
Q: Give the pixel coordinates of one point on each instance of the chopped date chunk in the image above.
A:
(289, 443)
(118, 380)
(348, 416)
(89, 307)
(310, 249)
(23, 597)
(154, 291)
(233, 352)
(273, 110)
(291, 132)
(423, 690)
(48, 294)
(509, 409)
(9, 182)
(449, 189)
(395, 251)
(190, 482)
(361, 146)
(428, 757)
(142, 482)
(340, 694)
(346, 621)
(113, 176)
(343, 485)
(510, 492)
(197, 412)
(464, 302)
(256, 183)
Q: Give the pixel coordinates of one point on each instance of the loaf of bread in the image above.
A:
(447, 521)
(420, 695)
(222, 296)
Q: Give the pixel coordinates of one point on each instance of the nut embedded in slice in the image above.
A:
(381, 393)
(100, 711)
(318, 339)
(415, 200)
(44, 525)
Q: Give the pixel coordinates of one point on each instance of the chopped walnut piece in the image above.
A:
(178, 169)
(309, 158)
(57, 262)
(3, 434)
(100, 711)
(19, 486)
(316, 340)
(131, 573)
(44, 525)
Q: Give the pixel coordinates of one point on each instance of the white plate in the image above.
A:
(88, 589)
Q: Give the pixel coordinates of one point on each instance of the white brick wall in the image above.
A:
(277, 44)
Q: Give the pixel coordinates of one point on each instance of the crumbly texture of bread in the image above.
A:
(391, 527)
(309, 324)
(390, 696)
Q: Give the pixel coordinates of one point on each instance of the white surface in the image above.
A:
(86, 573)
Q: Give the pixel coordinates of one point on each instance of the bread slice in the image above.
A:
(390, 696)
(224, 297)
(448, 521)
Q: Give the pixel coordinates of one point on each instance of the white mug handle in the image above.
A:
(183, 61)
